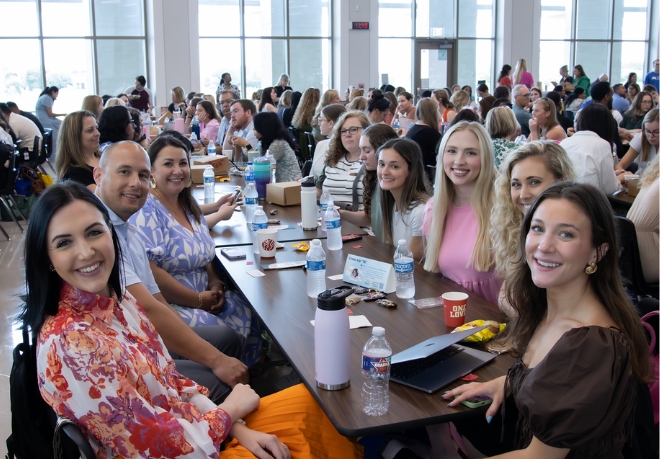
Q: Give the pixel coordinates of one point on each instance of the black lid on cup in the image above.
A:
(308, 182)
(333, 299)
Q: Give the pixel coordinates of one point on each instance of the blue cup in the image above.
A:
(261, 175)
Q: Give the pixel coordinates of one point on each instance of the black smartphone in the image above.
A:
(233, 254)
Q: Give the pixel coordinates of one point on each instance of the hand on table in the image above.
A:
(493, 389)
(231, 371)
(263, 446)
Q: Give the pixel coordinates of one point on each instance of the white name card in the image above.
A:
(369, 273)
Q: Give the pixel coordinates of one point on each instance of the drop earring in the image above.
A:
(52, 268)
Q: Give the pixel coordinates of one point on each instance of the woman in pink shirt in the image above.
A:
(209, 122)
(521, 75)
(456, 221)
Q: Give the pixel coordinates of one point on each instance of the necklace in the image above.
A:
(164, 203)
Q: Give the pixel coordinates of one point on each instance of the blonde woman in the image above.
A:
(284, 103)
(355, 92)
(179, 100)
(343, 171)
(644, 214)
(544, 125)
(525, 173)
(329, 97)
(93, 104)
(359, 103)
(302, 119)
(457, 219)
(521, 75)
(460, 99)
(445, 107)
(502, 126)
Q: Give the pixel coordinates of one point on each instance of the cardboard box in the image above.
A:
(283, 194)
(197, 174)
(220, 165)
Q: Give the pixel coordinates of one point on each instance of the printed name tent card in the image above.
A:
(369, 273)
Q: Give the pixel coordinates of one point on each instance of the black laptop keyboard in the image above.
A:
(406, 370)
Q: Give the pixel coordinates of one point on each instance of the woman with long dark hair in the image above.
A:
(503, 78)
(378, 107)
(268, 101)
(44, 111)
(115, 125)
(287, 114)
(78, 149)
(277, 141)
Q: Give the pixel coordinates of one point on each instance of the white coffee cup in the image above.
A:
(267, 239)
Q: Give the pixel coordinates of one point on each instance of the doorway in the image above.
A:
(434, 65)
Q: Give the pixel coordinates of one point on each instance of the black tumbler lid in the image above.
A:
(333, 299)
(308, 182)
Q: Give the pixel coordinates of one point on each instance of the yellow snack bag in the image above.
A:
(484, 335)
(301, 246)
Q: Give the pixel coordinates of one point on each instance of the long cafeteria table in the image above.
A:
(235, 231)
(280, 299)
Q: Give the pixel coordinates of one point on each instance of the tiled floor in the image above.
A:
(11, 284)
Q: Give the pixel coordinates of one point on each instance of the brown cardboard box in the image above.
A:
(197, 174)
(283, 194)
(220, 165)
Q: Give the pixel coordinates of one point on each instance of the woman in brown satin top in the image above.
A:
(579, 340)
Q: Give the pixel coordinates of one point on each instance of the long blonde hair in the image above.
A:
(521, 66)
(326, 100)
(481, 200)
(650, 117)
(91, 104)
(506, 218)
(650, 175)
(460, 99)
(550, 107)
(302, 118)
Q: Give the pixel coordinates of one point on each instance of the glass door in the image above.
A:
(434, 65)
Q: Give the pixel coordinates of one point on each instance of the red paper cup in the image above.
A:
(455, 305)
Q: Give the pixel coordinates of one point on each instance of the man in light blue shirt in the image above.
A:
(122, 179)
(520, 101)
(241, 132)
(619, 100)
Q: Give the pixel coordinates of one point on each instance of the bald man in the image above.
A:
(122, 180)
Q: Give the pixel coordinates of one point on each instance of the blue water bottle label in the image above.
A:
(258, 226)
(332, 224)
(250, 201)
(324, 207)
(376, 364)
(318, 265)
(249, 176)
(403, 267)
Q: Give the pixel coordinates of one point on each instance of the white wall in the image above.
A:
(518, 30)
(355, 52)
(173, 40)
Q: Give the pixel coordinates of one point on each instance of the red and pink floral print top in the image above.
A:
(102, 364)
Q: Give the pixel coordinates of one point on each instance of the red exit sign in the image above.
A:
(361, 25)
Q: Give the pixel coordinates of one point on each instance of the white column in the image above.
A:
(518, 32)
(173, 41)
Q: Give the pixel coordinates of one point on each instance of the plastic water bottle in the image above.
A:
(333, 226)
(251, 201)
(376, 359)
(211, 148)
(404, 265)
(209, 185)
(194, 127)
(260, 221)
(397, 123)
(323, 204)
(248, 174)
(273, 166)
(315, 269)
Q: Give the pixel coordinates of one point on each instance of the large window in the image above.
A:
(603, 37)
(258, 40)
(467, 23)
(81, 46)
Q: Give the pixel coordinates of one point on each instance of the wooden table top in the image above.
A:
(280, 298)
(622, 197)
(235, 231)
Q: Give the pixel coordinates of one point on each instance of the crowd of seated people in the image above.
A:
(482, 190)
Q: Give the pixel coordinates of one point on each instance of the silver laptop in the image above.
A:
(432, 364)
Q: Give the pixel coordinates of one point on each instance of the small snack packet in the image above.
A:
(386, 303)
(484, 335)
(373, 296)
(351, 300)
(363, 290)
(301, 246)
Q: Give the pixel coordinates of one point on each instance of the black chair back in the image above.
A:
(307, 168)
(311, 144)
(48, 142)
(630, 262)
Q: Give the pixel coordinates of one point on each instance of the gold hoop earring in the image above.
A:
(152, 181)
(591, 268)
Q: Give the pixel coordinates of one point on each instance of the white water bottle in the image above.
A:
(251, 201)
(404, 265)
(332, 342)
(333, 226)
(248, 174)
(209, 185)
(211, 148)
(260, 221)
(315, 269)
(323, 204)
(376, 359)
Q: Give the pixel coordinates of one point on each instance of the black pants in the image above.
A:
(223, 339)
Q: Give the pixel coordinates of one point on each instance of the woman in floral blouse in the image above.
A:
(101, 363)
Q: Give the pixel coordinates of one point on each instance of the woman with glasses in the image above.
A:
(327, 119)
(633, 117)
(115, 125)
(342, 174)
(643, 147)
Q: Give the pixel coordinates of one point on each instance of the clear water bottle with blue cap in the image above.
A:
(404, 265)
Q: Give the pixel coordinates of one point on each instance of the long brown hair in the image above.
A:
(302, 118)
(530, 301)
(336, 150)
(550, 107)
(185, 198)
(416, 188)
(69, 152)
(377, 134)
